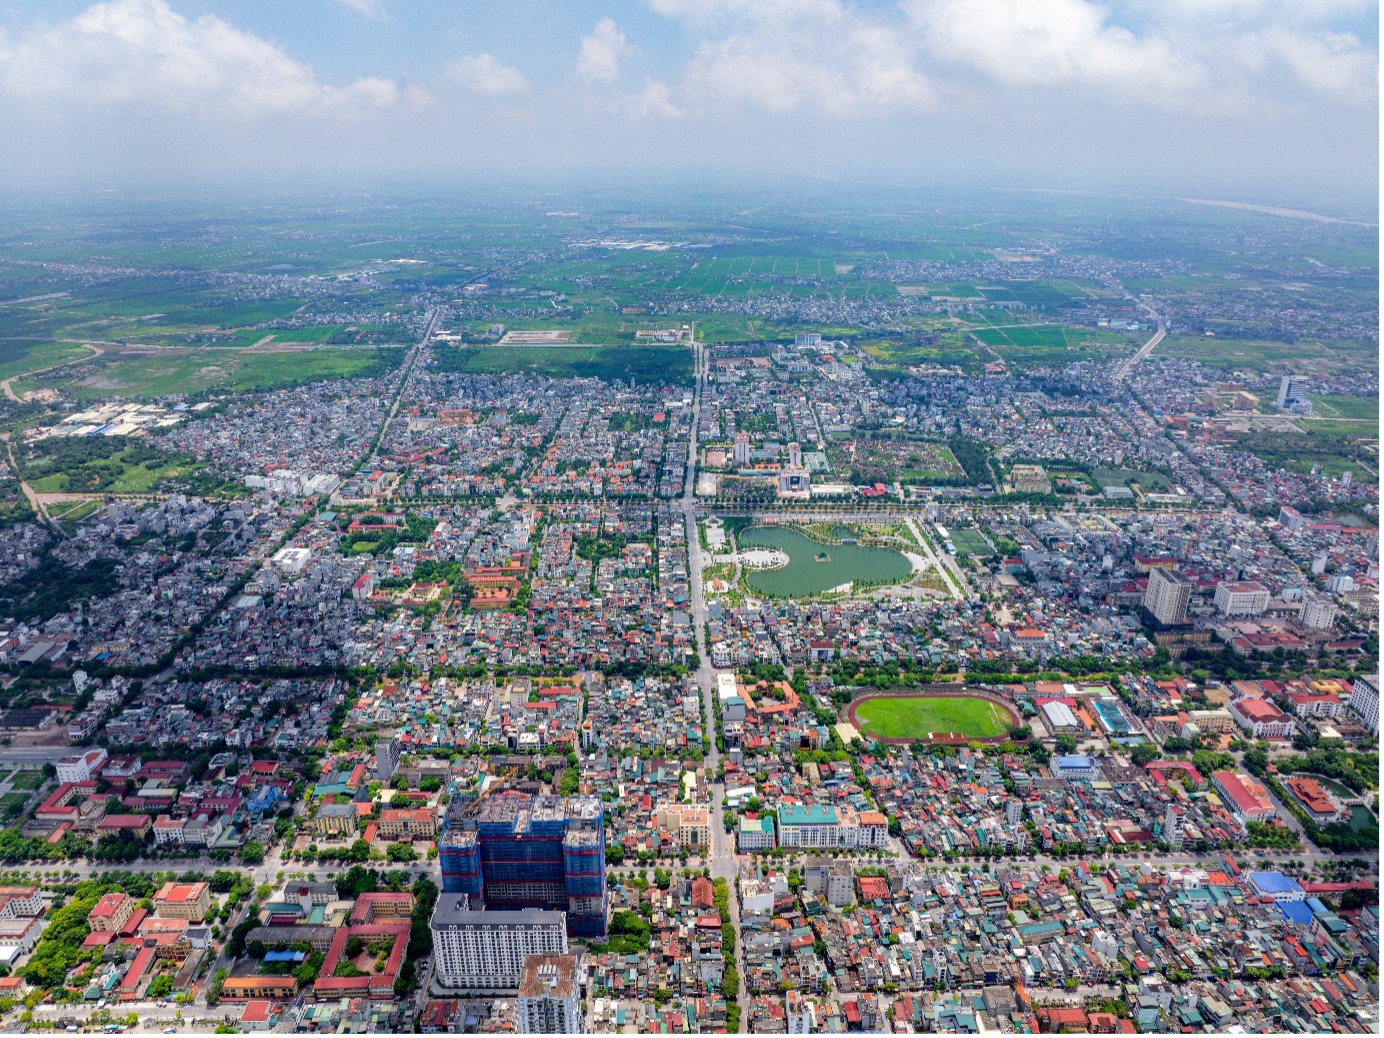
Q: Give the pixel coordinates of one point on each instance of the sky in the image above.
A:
(1261, 100)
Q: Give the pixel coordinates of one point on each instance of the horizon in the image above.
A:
(1243, 101)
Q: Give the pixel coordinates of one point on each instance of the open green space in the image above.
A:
(28, 780)
(1151, 482)
(917, 717)
(1360, 408)
(110, 464)
(1335, 449)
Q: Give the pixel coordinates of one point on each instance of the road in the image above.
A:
(1147, 348)
(934, 558)
(723, 865)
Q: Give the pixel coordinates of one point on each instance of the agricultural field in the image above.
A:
(917, 717)
(166, 372)
(640, 364)
(1262, 357)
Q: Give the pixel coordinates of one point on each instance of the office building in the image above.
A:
(795, 482)
(1246, 798)
(816, 825)
(1167, 597)
(1292, 391)
(549, 996)
(515, 850)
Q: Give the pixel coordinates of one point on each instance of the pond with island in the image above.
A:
(814, 568)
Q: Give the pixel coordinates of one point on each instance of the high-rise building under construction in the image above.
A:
(516, 850)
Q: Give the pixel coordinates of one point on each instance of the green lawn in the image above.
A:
(1362, 407)
(969, 542)
(28, 780)
(917, 717)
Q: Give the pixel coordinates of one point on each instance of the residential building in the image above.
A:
(386, 759)
(549, 996)
(486, 950)
(515, 850)
(1167, 596)
(1241, 598)
(1364, 702)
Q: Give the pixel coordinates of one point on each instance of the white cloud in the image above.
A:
(861, 67)
(1046, 42)
(369, 8)
(484, 74)
(602, 52)
(1332, 64)
(790, 55)
(655, 100)
(141, 53)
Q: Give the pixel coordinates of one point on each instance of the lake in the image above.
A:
(804, 575)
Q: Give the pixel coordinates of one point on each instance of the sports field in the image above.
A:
(969, 542)
(917, 717)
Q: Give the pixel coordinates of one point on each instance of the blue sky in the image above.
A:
(1262, 99)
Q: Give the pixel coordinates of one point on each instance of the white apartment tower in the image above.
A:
(1168, 596)
(740, 453)
(486, 951)
(1364, 702)
(1317, 614)
(549, 996)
